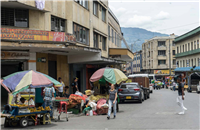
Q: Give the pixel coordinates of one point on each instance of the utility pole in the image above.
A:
(169, 57)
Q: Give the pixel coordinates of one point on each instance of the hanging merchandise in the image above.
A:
(40, 4)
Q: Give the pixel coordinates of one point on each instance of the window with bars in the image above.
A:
(197, 44)
(161, 62)
(188, 46)
(95, 8)
(104, 43)
(57, 24)
(162, 53)
(103, 14)
(174, 62)
(83, 3)
(96, 42)
(161, 43)
(14, 17)
(108, 32)
(112, 36)
(81, 33)
(174, 53)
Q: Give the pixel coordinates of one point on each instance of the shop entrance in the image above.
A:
(78, 75)
(52, 69)
(9, 67)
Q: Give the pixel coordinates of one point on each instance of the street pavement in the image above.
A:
(159, 112)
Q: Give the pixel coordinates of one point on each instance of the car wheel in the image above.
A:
(140, 100)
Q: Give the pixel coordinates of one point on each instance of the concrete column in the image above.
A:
(32, 61)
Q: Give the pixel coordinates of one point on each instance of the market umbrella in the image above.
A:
(111, 75)
(22, 80)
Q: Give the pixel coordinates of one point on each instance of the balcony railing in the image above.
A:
(188, 53)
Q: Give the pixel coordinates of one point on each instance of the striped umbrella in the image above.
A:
(23, 80)
(111, 75)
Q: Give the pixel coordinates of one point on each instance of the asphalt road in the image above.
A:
(158, 112)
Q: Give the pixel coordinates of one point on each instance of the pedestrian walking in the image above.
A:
(174, 86)
(75, 85)
(60, 89)
(181, 96)
(48, 94)
(112, 100)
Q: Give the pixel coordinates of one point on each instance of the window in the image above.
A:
(183, 63)
(188, 63)
(108, 32)
(177, 63)
(100, 37)
(183, 48)
(195, 61)
(161, 62)
(180, 63)
(96, 42)
(192, 62)
(180, 49)
(95, 8)
(191, 46)
(161, 52)
(177, 50)
(112, 36)
(174, 62)
(173, 44)
(115, 38)
(14, 17)
(197, 44)
(174, 52)
(188, 46)
(104, 43)
(194, 45)
(103, 14)
(83, 3)
(81, 33)
(161, 43)
(198, 62)
(57, 24)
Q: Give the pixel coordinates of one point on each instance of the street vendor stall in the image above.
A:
(23, 114)
(104, 76)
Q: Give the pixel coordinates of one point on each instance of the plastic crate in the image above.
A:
(73, 110)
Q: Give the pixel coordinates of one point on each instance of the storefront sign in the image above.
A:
(162, 72)
(42, 59)
(22, 34)
(14, 55)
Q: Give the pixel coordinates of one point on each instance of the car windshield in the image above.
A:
(129, 86)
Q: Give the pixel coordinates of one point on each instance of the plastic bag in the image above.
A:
(78, 93)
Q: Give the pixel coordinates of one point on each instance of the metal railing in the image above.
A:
(188, 53)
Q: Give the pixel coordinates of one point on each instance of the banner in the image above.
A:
(162, 72)
(30, 35)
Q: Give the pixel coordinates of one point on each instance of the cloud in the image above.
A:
(138, 20)
(162, 15)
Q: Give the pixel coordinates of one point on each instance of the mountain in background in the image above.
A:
(132, 34)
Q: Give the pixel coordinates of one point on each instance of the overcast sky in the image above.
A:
(165, 17)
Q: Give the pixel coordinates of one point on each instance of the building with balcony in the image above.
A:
(61, 38)
(137, 62)
(188, 50)
(156, 55)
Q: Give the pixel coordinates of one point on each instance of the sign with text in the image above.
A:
(162, 72)
(37, 35)
(14, 55)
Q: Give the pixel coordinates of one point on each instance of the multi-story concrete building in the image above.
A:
(157, 55)
(61, 38)
(188, 49)
(137, 62)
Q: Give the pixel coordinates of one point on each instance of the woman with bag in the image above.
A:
(112, 100)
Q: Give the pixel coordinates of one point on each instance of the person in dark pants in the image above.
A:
(75, 85)
(66, 94)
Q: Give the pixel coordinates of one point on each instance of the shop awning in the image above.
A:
(121, 54)
(183, 69)
(197, 68)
